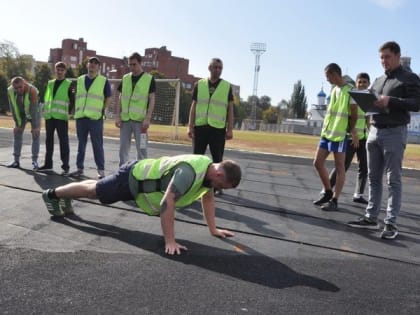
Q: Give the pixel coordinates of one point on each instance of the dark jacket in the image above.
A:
(403, 87)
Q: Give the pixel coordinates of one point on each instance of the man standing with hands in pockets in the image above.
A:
(135, 108)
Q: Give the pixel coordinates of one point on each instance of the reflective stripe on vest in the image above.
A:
(26, 103)
(155, 169)
(134, 101)
(90, 104)
(337, 117)
(212, 110)
(361, 125)
(57, 106)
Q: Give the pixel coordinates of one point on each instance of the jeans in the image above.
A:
(127, 129)
(62, 131)
(385, 150)
(94, 128)
(17, 144)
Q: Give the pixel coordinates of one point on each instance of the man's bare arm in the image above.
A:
(167, 219)
(209, 210)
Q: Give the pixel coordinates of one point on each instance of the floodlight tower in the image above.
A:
(257, 49)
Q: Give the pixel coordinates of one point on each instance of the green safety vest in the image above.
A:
(26, 103)
(336, 120)
(57, 106)
(156, 169)
(90, 104)
(134, 101)
(361, 125)
(212, 110)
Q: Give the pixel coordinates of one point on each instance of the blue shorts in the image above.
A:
(332, 146)
(114, 187)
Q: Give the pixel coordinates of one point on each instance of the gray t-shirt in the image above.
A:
(183, 178)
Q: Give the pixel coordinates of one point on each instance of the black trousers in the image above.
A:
(62, 127)
(362, 160)
(215, 138)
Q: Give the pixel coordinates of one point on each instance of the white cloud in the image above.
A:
(389, 4)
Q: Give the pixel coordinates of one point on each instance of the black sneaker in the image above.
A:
(364, 223)
(330, 206)
(360, 200)
(45, 168)
(65, 172)
(13, 164)
(76, 174)
(390, 232)
(325, 197)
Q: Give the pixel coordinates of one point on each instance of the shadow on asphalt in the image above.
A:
(246, 265)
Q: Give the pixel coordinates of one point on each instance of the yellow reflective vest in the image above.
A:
(212, 110)
(361, 125)
(57, 106)
(90, 103)
(336, 120)
(156, 169)
(26, 103)
(134, 101)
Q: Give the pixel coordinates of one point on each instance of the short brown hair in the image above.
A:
(232, 171)
(392, 46)
(136, 56)
(61, 64)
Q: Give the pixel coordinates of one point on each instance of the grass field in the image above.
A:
(277, 143)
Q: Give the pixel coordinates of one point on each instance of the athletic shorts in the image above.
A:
(332, 146)
(114, 187)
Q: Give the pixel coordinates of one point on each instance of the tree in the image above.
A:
(4, 101)
(12, 63)
(298, 101)
(264, 102)
(70, 73)
(42, 76)
(270, 115)
(238, 114)
(184, 106)
(82, 68)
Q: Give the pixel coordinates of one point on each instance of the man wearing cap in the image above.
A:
(93, 95)
(58, 104)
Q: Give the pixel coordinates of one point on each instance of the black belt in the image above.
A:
(386, 126)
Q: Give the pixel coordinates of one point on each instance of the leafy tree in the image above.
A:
(12, 63)
(82, 68)
(270, 115)
(4, 107)
(42, 75)
(239, 114)
(283, 109)
(184, 106)
(298, 101)
(156, 74)
(70, 73)
(264, 102)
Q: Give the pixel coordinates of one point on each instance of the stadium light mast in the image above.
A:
(257, 49)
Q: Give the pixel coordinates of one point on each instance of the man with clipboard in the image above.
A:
(398, 93)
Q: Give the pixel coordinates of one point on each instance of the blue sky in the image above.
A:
(302, 36)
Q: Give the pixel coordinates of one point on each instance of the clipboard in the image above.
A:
(365, 100)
